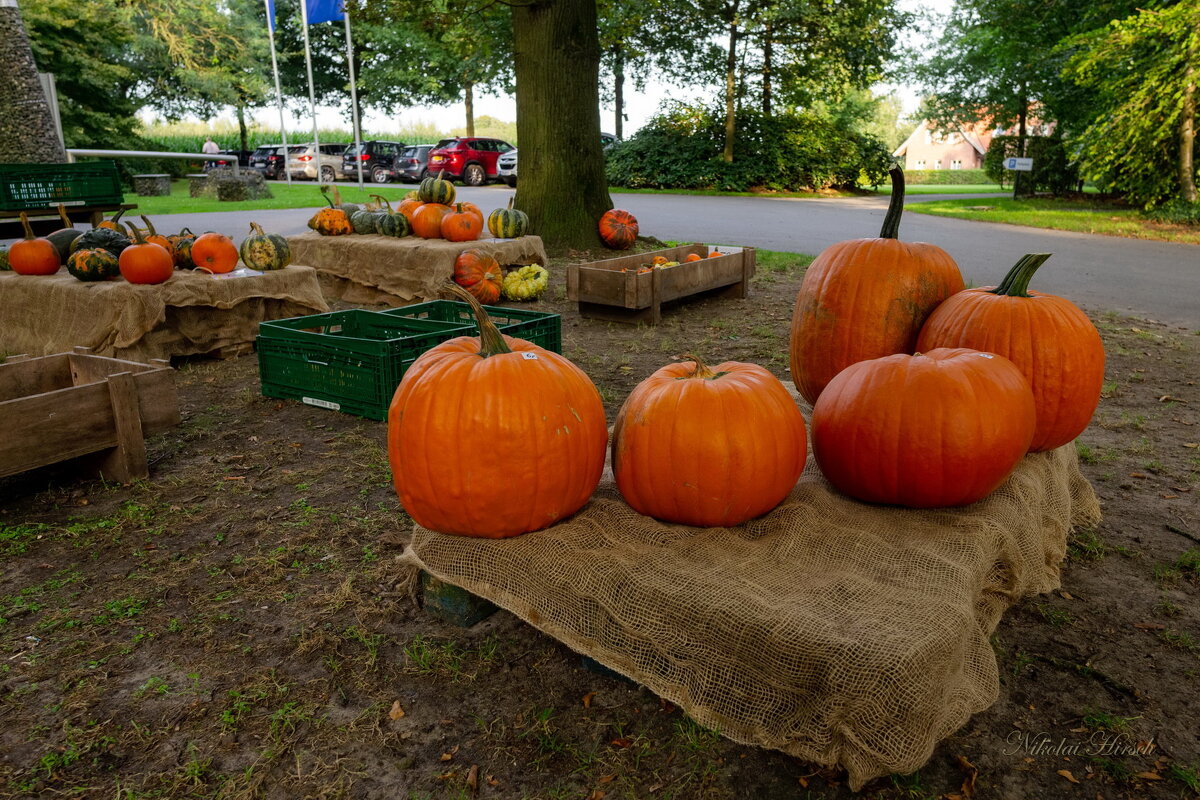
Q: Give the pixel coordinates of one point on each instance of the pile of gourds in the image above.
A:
(139, 255)
(925, 394)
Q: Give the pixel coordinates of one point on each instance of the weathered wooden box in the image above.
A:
(604, 291)
(75, 404)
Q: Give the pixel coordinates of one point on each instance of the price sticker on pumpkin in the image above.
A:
(529, 356)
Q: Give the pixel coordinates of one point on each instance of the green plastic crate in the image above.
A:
(28, 186)
(350, 361)
(539, 327)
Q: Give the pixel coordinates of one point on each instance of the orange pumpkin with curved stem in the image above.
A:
(154, 237)
(462, 225)
(427, 220)
(479, 274)
(332, 221)
(618, 229)
(711, 447)
(33, 255)
(145, 262)
(114, 223)
(215, 252)
(943, 428)
(866, 298)
(1049, 338)
(517, 410)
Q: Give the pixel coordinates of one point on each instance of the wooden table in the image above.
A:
(192, 313)
(391, 271)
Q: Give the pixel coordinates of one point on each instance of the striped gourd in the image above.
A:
(93, 264)
(265, 251)
(392, 223)
(436, 190)
(508, 223)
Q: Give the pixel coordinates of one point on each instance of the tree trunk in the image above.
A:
(768, 58)
(1019, 186)
(241, 118)
(557, 63)
(469, 100)
(619, 90)
(27, 132)
(731, 89)
(1187, 131)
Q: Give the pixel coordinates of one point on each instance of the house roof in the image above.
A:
(971, 135)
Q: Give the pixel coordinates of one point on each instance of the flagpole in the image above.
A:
(312, 98)
(353, 97)
(278, 91)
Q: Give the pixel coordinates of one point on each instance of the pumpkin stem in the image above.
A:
(255, 228)
(510, 201)
(116, 218)
(325, 194)
(891, 223)
(149, 225)
(186, 232)
(702, 370)
(137, 234)
(1016, 282)
(25, 224)
(491, 342)
(384, 200)
(62, 214)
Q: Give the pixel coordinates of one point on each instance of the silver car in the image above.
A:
(303, 163)
(506, 165)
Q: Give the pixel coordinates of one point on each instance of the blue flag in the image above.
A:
(271, 15)
(324, 11)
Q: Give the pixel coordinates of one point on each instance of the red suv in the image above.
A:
(471, 160)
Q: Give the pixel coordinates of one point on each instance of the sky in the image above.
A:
(640, 106)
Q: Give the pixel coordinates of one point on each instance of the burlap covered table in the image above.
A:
(385, 270)
(191, 313)
(838, 632)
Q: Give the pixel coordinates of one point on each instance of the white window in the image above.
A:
(937, 164)
(956, 164)
(921, 164)
(928, 136)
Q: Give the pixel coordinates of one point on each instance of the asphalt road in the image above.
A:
(1159, 280)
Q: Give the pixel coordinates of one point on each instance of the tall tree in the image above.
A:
(27, 131)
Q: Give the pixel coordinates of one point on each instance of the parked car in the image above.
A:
(471, 160)
(268, 159)
(507, 163)
(243, 156)
(376, 157)
(303, 162)
(412, 165)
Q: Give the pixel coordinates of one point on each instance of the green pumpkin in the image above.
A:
(365, 221)
(508, 223)
(111, 240)
(436, 190)
(65, 236)
(265, 251)
(93, 264)
(392, 223)
(4, 267)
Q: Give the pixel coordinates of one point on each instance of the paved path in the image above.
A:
(1159, 280)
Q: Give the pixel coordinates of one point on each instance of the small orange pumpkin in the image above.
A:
(144, 262)
(694, 257)
(479, 274)
(618, 229)
(462, 225)
(114, 223)
(33, 255)
(331, 221)
(427, 220)
(214, 252)
(154, 237)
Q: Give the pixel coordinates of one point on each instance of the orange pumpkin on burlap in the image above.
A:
(943, 428)
(1050, 340)
(154, 237)
(866, 298)
(518, 411)
(215, 252)
(711, 447)
(331, 221)
(145, 262)
(427, 220)
(479, 274)
(462, 225)
(33, 255)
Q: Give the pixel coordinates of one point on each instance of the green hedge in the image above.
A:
(946, 177)
(1053, 170)
(681, 148)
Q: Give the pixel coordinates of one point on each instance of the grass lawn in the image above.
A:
(1083, 216)
(298, 195)
(933, 188)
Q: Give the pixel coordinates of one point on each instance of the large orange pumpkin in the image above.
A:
(462, 224)
(427, 220)
(1049, 339)
(214, 252)
(943, 428)
(708, 447)
(33, 255)
(866, 298)
(492, 436)
(618, 229)
(145, 262)
(479, 274)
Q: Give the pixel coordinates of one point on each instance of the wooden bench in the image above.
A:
(45, 220)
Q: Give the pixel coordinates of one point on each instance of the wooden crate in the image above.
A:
(603, 291)
(75, 404)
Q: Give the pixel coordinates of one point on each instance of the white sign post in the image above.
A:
(1019, 164)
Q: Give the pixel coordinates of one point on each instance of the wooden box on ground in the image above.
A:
(613, 289)
(74, 404)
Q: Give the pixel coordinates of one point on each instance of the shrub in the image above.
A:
(681, 148)
(946, 177)
(1179, 212)
(1053, 170)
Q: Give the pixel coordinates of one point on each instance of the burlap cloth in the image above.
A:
(390, 271)
(191, 313)
(841, 633)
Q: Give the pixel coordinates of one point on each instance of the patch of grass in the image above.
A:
(427, 656)
(1085, 544)
(1087, 215)
(16, 539)
(1188, 564)
(910, 787)
(1104, 721)
(1189, 776)
(1180, 640)
(1166, 608)
(1056, 617)
(1117, 770)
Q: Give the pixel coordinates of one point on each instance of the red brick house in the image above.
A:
(964, 148)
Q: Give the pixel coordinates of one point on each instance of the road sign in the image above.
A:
(1019, 164)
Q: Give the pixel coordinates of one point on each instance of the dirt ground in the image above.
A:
(232, 627)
